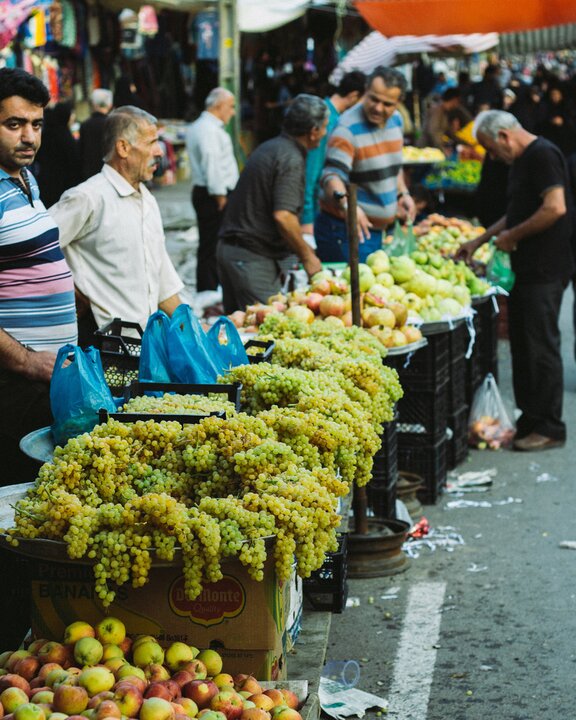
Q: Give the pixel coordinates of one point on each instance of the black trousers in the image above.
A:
(533, 312)
(209, 221)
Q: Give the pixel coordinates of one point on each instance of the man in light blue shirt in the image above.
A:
(348, 93)
(214, 175)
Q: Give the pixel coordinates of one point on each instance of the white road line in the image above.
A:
(416, 657)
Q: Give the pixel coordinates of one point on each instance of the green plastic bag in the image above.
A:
(499, 269)
(403, 240)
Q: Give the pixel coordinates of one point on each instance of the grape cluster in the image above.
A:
(265, 480)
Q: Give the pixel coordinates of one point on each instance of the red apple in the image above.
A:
(15, 658)
(254, 713)
(313, 301)
(129, 699)
(158, 689)
(247, 683)
(208, 714)
(262, 701)
(182, 677)
(108, 709)
(95, 700)
(70, 699)
(13, 680)
(229, 702)
(196, 668)
(47, 667)
(36, 683)
(276, 696)
(201, 691)
(290, 698)
(156, 672)
(134, 680)
(125, 645)
(53, 652)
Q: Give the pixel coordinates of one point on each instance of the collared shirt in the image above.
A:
(113, 239)
(314, 165)
(370, 156)
(36, 287)
(272, 180)
(212, 161)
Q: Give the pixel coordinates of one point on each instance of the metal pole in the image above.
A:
(359, 502)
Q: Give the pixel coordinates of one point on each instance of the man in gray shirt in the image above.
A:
(261, 226)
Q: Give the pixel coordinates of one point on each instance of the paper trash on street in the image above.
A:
(470, 481)
(341, 702)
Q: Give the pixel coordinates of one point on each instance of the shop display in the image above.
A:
(455, 175)
(126, 494)
(445, 235)
(98, 671)
(414, 155)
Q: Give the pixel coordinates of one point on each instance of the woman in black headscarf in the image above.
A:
(57, 159)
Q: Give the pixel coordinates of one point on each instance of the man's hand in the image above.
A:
(39, 366)
(407, 207)
(467, 249)
(506, 242)
(364, 225)
(221, 201)
(312, 265)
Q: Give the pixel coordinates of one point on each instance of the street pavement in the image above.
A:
(488, 627)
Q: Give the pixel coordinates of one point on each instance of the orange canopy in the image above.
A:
(444, 17)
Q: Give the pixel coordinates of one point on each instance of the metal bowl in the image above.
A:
(39, 445)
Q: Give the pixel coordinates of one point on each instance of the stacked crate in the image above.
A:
(423, 412)
(458, 404)
(381, 490)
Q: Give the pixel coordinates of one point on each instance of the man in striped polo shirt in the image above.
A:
(37, 310)
(366, 149)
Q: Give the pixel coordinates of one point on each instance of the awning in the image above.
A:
(376, 49)
(262, 16)
(444, 17)
(559, 37)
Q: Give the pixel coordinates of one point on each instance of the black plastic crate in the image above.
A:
(427, 368)
(267, 347)
(119, 352)
(474, 376)
(457, 385)
(385, 468)
(327, 587)
(457, 442)
(232, 391)
(426, 460)
(382, 500)
(424, 412)
(458, 341)
(487, 317)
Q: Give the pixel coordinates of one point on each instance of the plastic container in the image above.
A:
(424, 412)
(266, 354)
(343, 672)
(429, 367)
(119, 352)
(232, 390)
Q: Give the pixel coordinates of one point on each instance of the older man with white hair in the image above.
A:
(536, 231)
(92, 134)
(214, 176)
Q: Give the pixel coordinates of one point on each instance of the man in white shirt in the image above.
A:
(214, 175)
(111, 230)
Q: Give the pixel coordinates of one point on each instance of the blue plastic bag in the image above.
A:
(227, 345)
(154, 362)
(77, 391)
(189, 352)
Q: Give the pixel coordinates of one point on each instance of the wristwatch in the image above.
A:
(402, 194)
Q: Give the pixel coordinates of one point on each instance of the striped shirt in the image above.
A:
(36, 287)
(369, 156)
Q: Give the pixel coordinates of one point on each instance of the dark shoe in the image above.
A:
(535, 442)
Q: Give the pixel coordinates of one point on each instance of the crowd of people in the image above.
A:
(83, 242)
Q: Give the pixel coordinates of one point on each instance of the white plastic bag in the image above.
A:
(489, 425)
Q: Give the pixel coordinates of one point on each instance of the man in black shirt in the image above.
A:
(536, 230)
(261, 226)
(91, 142)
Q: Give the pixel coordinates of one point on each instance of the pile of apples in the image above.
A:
(99, 673)
(328, 298)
